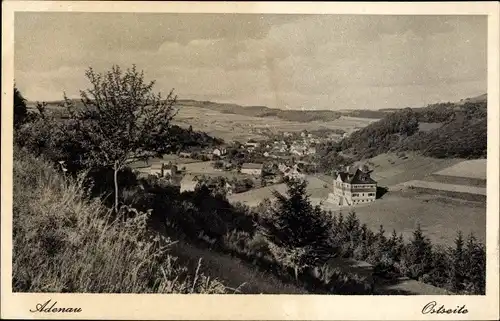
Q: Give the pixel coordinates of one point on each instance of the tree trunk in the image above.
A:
(116, 169)
(296, 269)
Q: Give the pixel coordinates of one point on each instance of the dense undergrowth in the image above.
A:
(65, 242)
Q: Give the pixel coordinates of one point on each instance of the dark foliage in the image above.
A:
(462, 134)
(465, 138)
(298, 233)
(20, 109)
(182, 139)
(380, 136)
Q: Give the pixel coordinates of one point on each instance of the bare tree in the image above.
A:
(120, 119)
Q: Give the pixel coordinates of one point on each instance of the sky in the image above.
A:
(282, 61)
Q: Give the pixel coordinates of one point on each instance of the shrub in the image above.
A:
(63, 242)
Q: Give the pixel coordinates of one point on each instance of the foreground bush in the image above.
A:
(65, 243)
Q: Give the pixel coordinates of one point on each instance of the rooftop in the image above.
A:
(189, 178)
(359, 177)
(252, 166)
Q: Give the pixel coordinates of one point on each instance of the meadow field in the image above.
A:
(390, 169)
(317, 189)
(238, 127)
(241, 127)
(471, 169)
(439, 217)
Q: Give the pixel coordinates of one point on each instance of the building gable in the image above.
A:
(361, 177)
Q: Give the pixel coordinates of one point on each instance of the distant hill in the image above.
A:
(458, 130)
(477, 99)
(303, 115)
(289, 115)
(181, 138)
(263, 112)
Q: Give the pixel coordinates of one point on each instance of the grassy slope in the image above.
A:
(390, 169)
(440, 217)
(235, 273)
(62, 242)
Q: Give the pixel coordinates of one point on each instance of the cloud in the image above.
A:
(285, 61)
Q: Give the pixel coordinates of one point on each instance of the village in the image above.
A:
(245, 166)
(251, 172)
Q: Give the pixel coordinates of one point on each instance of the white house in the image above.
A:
(220, 151)
(282, 167)
(163, 169)
(311, 151)
(252, 169)
(294, 172)
(353, 188)
(252, 144)
(188, 183)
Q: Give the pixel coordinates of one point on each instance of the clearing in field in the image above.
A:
(471, 168)
(317, 189)
(176, 160)
(234, 127)
(467, 173)
(440, 217)
(391, 169)
(453, 188)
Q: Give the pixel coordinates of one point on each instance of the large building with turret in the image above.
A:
(352, 187)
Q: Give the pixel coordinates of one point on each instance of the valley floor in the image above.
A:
(402, 209)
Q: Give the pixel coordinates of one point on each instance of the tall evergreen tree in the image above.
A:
(440, 273)
(418, 255)
(457, 265)
(297, 233)
(475, 273)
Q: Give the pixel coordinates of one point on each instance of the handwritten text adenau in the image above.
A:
(50, 307)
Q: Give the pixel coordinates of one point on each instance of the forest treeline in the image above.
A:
(461, 132)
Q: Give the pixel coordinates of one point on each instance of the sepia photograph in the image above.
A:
(246, 153)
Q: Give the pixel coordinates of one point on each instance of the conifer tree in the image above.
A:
(475, 273)
(418, 255)
(297, 233)
(457, 276)
(440, 273)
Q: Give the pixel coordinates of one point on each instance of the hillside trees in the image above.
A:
(298, 233)
(458, 267)
(475, 263)
(120, 119)
(417, 258)
(462, 134)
